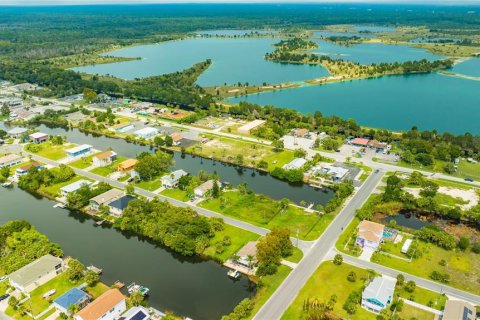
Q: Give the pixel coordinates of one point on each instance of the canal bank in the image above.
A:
(189, 286)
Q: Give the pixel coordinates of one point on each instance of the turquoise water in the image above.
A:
(470, 67)
(429, 101)
(234, 60)
(235, 32)
(367, 53)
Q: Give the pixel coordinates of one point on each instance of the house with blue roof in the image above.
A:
(74, 296)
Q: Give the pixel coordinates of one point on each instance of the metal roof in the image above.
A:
(35, 270)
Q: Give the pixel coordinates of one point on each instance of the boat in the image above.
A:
(234, 274)
(59, 205)
(99, 223)
(138, 288)
(50, 293)
(7, 184)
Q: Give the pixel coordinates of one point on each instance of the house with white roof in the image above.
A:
(36, 273)
(295, 164)
(336, 173)
(78, 151)
(171, 180)
(105, 198)
(147, 132)
(16, 132)
(136, 313)
(38, 137)
(378, 294)
(73, 187)
(10, 160)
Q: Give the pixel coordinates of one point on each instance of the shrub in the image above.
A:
(463, 243)
(440, 277)
(476, 248)
(338, 260)
(352, 276)
(410, 286)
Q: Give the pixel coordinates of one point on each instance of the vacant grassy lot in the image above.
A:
(54, 190)
(150, 185)
(105, 171)
(346, 241)
(83, 162)
(50, 151)
(176, 194)
(265, 212)
(468, 169)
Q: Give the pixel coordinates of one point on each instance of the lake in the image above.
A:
(234, 60)
(429, 101)
(188, 286)
(470, 67)
(235, 32)
(342, 34)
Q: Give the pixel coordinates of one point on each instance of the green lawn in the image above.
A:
(105, 171)
(423, 296)
(54, 190)
(48, 314)
(238, 238)
(16, 314)
(265, 212)
(468, 169)
(346, 241)
(53, 152)
(150, 185)
(410, 312)
(176, 194)
(296, 256)
(97, 290)
(3, 287)
(83, 162)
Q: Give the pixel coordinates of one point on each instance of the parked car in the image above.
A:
(468, 179)
(5, 296)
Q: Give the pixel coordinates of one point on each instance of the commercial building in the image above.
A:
(247, 128)
(147, 132)
(296, 163)
(105, 198)
(360, 142)
(73, 187)
(78, 151)
(459, 310)
(73, 296)
(171, 180)
(104, 159)
(370, 234)
(10, 160)
(117, 206)
(38, 137)
(108, 306)
(378, 294)
(36, 273)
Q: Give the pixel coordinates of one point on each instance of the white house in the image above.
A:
(370, 234)
(81, 150)
(378, 294)
(336, 173)
(136, 313)
(17, 132)
(38, 137)
(10, 160)
(36, 273)
(147, 132)
(202, 189)
(104, 159)
(108, 306)
(296, 163)
(171, 180)
(73, 187)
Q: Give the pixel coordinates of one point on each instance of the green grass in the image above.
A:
(265, 212)
(48, 314)
(53, 152)
(423, 296)
(176, 194)
(16, 314)
(469, 170)
(150, 185)
(449, 201)
(83, 162)
(296, 256)
(410, 312)
(105, 171)
(97, 290)
(238, 238)
(3, 287)
(267, 286)
(348, 236)
(54, 190)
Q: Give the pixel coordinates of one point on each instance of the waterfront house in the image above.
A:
(127, 165)
(336, 173)
(105, 198)
(147, 132)
(104, 159)
(36, 273)
(78, 151)
(23, 170)
(295, 164)
(250, 249)
(176, 138)
(73, 187)
(247, 128)
(136, 313)
(205, 187)
(360, 142)
(370, 234)
(117, 206)
(122, 127)
(10, 160)
(378, 294)
(38, 137)
(457, 309)
(16, 132)
(170, 181)
(73, 296)
(108, 306)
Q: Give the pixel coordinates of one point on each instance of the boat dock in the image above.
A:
(95, 269)
(119, 284)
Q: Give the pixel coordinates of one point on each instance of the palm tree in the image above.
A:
(251, 259)
(235, 258)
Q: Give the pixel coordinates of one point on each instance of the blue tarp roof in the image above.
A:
(70, 297)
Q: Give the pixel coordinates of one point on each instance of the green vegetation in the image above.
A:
(83, 162)
(271, 249)
(49, 150)
(105, 171)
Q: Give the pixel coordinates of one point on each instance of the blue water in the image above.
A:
(434, 39)
(470, 67)
(341, 34)
(235, 32)
(367, 53)
(234, 60)
(429, 101)
(374, 28)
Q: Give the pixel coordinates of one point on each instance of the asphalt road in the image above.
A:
(288, 290)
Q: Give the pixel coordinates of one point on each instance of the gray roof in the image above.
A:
(107, 196)
(17, 130)
(75, 186)
(381, 289)
(35, 270)
(174, 176)
(122, 202)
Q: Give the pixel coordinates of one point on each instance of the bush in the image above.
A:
(432, 234)
(440, 277)
(410, 286)
(219, 248)
(463, 243)
(352, 276)
(338, 260)
(352, 302)
(476, 248)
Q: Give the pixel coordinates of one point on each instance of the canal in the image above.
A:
(188, 286)
(259, 182)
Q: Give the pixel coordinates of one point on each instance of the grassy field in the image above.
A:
(238, 238)
(346, 241)
(105, 171)
(83, 162)
(54, 190)
(176, 194)
(461, 266)
(263, 211)
(410, 312)
(296, 256)
(469, 170)
(149, 185)
(53, 152)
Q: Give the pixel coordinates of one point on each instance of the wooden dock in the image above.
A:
(118, 284)
(95, 269)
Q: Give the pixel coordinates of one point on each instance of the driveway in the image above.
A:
(367, 254)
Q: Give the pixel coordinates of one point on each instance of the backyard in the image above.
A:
(105, 171)
(49, 150)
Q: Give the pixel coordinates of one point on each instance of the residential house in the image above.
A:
(105, 198)
(122, 127)
(117, 206)
(16, 132)
(202, 189)
(378, 294)
(73, 187)
(127, 165)
(10, 160)
(73, 296)
(38, 137)
(247, 128)
(300, 132)
(370, 234)
(78, 151)
(360, 142)
(170, 181)
(250, 249)
(147, 132)
(336, 173)
(36, 273)
(176, 138)
(23, 170)
(108, 306)
(136, 313)
(104, 159)
(459, 310)
(295, 164)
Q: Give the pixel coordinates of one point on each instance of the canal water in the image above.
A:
(408, 220)
(188, 286)
(259, 182)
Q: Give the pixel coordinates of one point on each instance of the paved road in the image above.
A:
(288, 290)
(421, 282)
(302, 245)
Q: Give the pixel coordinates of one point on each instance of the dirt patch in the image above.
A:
(217, 144)
(469, 195)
